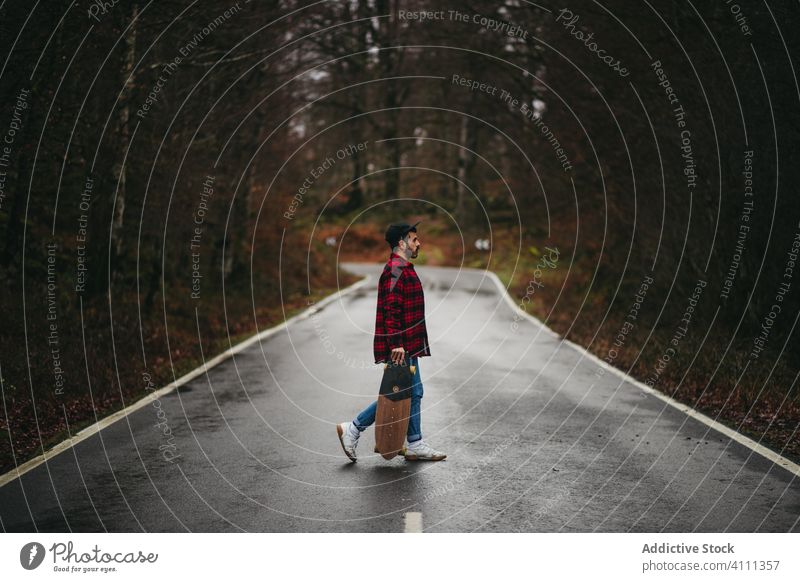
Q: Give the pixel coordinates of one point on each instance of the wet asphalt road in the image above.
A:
(536, 441)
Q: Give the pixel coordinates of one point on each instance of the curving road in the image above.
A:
(537, 441)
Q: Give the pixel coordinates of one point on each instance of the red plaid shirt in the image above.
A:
(400, 317)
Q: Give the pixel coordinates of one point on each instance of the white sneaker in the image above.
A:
(420, 451)
(348, 436)
(401, 452)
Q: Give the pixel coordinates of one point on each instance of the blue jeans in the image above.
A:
(367, 416)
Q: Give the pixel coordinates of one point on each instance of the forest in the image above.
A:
(176, 176)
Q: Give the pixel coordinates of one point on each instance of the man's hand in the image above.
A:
(398, 355)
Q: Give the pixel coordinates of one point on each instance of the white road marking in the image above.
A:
(199, 371)
(765, 452)
(109, 420)
(413, 522)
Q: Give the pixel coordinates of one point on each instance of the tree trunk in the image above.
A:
(124, 132)
(461, 171)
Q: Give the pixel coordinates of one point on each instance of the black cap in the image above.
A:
(397, 231)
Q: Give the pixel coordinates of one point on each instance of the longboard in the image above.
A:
(391, 425)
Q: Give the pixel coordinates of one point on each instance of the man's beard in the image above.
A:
(414, 254)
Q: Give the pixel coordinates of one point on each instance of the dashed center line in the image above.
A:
(413, 522)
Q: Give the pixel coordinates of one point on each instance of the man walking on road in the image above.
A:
(399, 333)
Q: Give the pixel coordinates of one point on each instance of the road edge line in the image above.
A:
(107, 421)
(746, 441)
